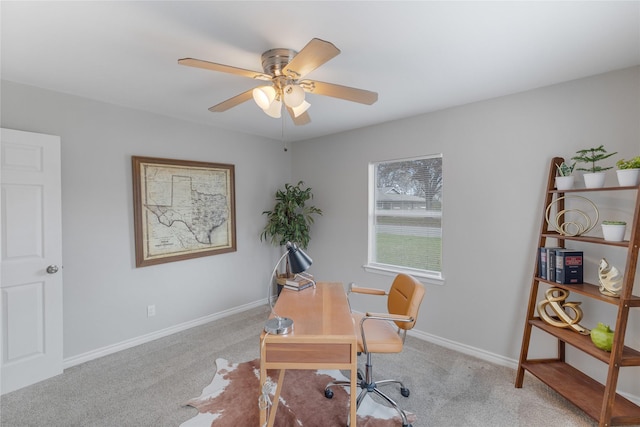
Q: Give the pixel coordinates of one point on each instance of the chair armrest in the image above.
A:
(368, 291)
(387, 316)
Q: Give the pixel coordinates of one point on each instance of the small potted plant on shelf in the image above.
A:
(628, 172)
(594, 178)
(613, 231)
(564, 180)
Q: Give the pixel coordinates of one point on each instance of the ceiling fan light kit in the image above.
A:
(285, 68)
(270, 99)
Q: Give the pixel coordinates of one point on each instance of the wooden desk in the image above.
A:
(323, 337)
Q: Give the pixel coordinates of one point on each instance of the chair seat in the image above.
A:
(382, 336)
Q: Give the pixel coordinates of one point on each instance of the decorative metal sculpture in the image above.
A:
(575, 227)
(609, 278)
(555, 299)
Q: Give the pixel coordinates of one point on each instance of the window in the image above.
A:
(405, 217)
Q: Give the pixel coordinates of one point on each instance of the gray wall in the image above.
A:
(105, 296)
(495, 156)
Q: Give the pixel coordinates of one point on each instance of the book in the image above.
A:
(546, 264)
(298, 281)
(569, 268)
(551, 264)
(542, 264)
(299, 288)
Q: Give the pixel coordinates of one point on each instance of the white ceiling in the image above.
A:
(420, 56)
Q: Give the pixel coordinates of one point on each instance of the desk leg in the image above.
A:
(263, 378)
(353, 390)
(276, 399)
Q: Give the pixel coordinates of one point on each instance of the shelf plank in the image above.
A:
(585, 190)
(592, 291)
(587, 239)
(630, 356)
(583, 391)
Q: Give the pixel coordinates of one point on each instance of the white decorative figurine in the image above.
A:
(610, 279)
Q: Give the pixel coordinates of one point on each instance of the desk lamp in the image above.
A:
(299, 262)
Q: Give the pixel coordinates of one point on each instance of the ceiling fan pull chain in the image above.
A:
(284, 144)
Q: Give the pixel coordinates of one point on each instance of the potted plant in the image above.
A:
(291, 218)
(594, 178)
(613, 231)
(628, 171)
(564, 180)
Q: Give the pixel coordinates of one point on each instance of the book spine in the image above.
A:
(560, 272)
(297, 283)
(542, 265)
(299, 288)
(551, 263)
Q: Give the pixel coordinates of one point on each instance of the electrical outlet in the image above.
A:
(151, 310)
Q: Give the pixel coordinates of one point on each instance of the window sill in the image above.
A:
(425, 278)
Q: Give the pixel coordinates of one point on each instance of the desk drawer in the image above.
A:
(308, 353)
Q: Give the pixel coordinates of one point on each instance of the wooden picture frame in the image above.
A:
(182, 209)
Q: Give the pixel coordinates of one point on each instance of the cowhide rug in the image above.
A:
(231, 400)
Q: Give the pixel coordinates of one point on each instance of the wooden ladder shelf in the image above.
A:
(599, 401)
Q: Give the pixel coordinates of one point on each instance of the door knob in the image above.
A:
(52, 269)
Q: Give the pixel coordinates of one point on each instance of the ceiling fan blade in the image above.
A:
(313, 55)
(302, 119)
(232, 102)
(343, 92)
(198, 63)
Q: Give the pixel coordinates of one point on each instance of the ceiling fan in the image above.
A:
(285, 70)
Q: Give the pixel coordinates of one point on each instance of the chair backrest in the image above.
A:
(405, 297)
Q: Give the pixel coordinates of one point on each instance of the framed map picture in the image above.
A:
(182, 209)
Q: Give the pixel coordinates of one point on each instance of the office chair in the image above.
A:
(384, 333)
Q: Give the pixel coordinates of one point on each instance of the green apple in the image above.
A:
(602, 337)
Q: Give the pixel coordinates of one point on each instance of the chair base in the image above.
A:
(367, 385)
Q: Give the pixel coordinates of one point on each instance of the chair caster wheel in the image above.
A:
(405, 393)
(328, 393)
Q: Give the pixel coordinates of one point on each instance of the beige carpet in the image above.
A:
(232, 400)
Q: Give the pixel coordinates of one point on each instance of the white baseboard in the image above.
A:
(105, 351)
(487, 356)
(465, 349)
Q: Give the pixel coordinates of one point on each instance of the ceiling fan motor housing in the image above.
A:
(274, 60)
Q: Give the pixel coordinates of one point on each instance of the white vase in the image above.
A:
(613, 232)
(594, 180)
(564, 182)
(628, 177)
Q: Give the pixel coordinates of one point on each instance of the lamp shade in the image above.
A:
(264, 96)
(293, 95)
(298, 260)
(300, 108)
(275, 109)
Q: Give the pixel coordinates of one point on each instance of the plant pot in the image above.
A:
(594, 180)
(613, 232)
(564, 182)
(628, 177)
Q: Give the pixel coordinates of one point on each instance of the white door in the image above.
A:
(31, 269)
